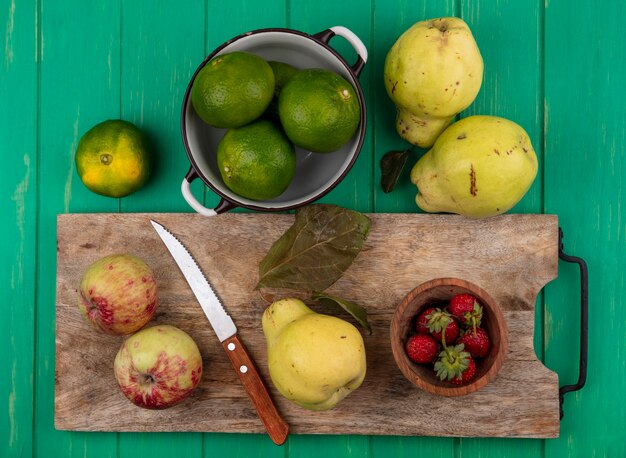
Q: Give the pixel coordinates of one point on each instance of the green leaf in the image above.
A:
(391, 166)
(316, 250)
(354, 309)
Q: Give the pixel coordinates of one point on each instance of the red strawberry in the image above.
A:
(468, 374)
(421, 348)
(467, 309)
(440, 320)
(455, 365)
(421, 323)
(476, 344)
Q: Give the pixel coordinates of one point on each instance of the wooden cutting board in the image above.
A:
(512, 257)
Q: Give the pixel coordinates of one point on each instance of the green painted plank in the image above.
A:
(314, 446)
(160, 444)
(390, 21)
(242, 445)
(509, 35)
(18, 205)
(79, 87)
(500, 447)
(157, 57)
(70, 106)
(585, 71)
(495, 97)
(513, 89)
(223, 21)
(355, 190)
(410, 447)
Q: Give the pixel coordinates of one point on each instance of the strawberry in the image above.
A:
(455, 365)
(476, 342)
(467, 309)
(438, 320)
(421, 323)
(452, 331)
(422, 348)
(468, 374)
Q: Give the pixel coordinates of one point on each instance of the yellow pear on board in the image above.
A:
(314, 360)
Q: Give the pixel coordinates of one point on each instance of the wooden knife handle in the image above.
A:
(276, 427)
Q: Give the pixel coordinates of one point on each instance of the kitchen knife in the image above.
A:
(226, 332)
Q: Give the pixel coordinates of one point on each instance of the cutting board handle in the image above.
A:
(584, 306)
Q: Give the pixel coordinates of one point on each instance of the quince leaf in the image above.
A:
(354, 309)
(316, 250)
(391, 166)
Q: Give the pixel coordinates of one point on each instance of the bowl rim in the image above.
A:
(399, 354)
(230, 202)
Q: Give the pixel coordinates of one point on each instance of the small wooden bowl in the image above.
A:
(442, 290)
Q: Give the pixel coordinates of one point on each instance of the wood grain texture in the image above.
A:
(511, 257)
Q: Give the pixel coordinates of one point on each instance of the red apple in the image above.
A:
(158, 367)
(118, 294)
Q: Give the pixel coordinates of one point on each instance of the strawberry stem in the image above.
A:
(443, 342)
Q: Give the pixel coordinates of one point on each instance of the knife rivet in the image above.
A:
(243, 369)
(231, 346)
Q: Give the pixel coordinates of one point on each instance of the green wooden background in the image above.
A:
(556, 67)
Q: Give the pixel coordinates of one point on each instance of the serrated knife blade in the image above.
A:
(222, 323)
(226, 332)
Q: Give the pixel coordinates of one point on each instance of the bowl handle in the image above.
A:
(223, 206)
(351, 37)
